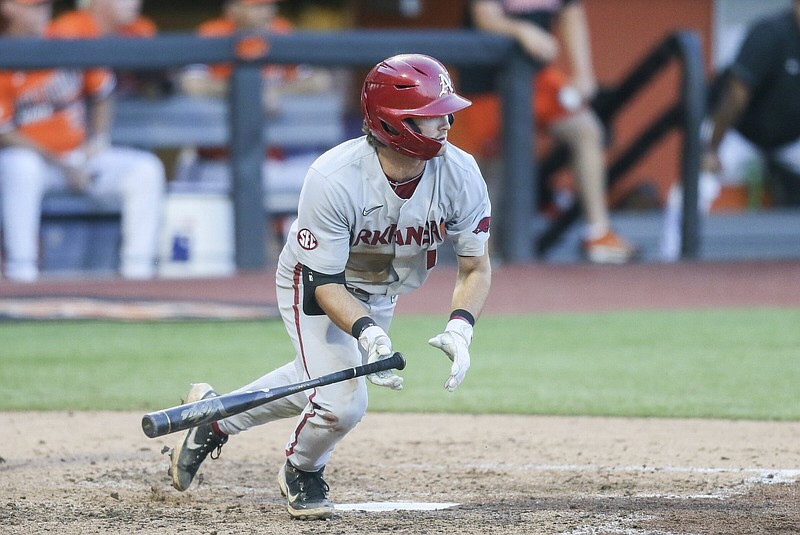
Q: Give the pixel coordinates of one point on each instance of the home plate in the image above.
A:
(393, 506)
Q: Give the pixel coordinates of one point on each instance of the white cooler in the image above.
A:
(197, 238)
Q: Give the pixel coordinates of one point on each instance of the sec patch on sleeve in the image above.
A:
(306, 239)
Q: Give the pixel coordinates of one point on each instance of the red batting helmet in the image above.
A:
(404, 87)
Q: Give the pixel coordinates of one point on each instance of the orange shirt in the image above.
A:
(223, 26)
(80, 24)
(48, 107)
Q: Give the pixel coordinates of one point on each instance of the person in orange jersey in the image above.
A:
(248, 16)
(54, 135)
(99, 18)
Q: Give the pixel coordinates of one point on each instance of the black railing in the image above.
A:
(686, 115)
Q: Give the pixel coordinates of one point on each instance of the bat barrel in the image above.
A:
(156, 424)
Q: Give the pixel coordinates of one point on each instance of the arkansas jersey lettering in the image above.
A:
(432, 232)
(483, 225)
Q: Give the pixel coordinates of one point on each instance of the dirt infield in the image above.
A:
(97, 473)
(81, 473)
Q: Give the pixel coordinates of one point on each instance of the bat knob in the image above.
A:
(401, 360)
(155, 424)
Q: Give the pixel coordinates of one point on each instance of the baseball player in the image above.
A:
(372, 214)
(47, 144)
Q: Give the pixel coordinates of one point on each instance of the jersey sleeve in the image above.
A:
(757, 55)
(469, 229)
(323, 229)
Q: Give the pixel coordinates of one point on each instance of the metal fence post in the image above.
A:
(693, 100)
(247, 155)
(518, 193)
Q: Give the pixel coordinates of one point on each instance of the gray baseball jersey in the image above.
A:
(350, 219)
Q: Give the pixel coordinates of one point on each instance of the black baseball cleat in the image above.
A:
(307, 493)
(197, 443)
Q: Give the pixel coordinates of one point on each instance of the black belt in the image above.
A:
(358, 293)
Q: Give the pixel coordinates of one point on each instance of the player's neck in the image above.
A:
(398, 167)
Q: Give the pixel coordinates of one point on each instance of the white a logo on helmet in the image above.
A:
(447, 85)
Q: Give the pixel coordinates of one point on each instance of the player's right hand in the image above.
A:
(378, 346)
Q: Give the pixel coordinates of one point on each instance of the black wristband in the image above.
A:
(462, 314)
(361, 324)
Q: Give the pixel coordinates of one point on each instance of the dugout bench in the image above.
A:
(81, 233)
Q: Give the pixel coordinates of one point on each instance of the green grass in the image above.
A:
(722, 364)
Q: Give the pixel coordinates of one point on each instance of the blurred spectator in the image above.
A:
(97, 18)
(560, 104)
(758, 109)
(284, 169)
(49, 140)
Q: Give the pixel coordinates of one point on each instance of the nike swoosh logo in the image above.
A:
(365, 212)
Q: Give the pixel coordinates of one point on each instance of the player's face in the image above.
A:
(436, 128)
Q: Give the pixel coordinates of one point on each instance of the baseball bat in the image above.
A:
(163, 422)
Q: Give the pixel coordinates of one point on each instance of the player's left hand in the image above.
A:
(454, 341)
